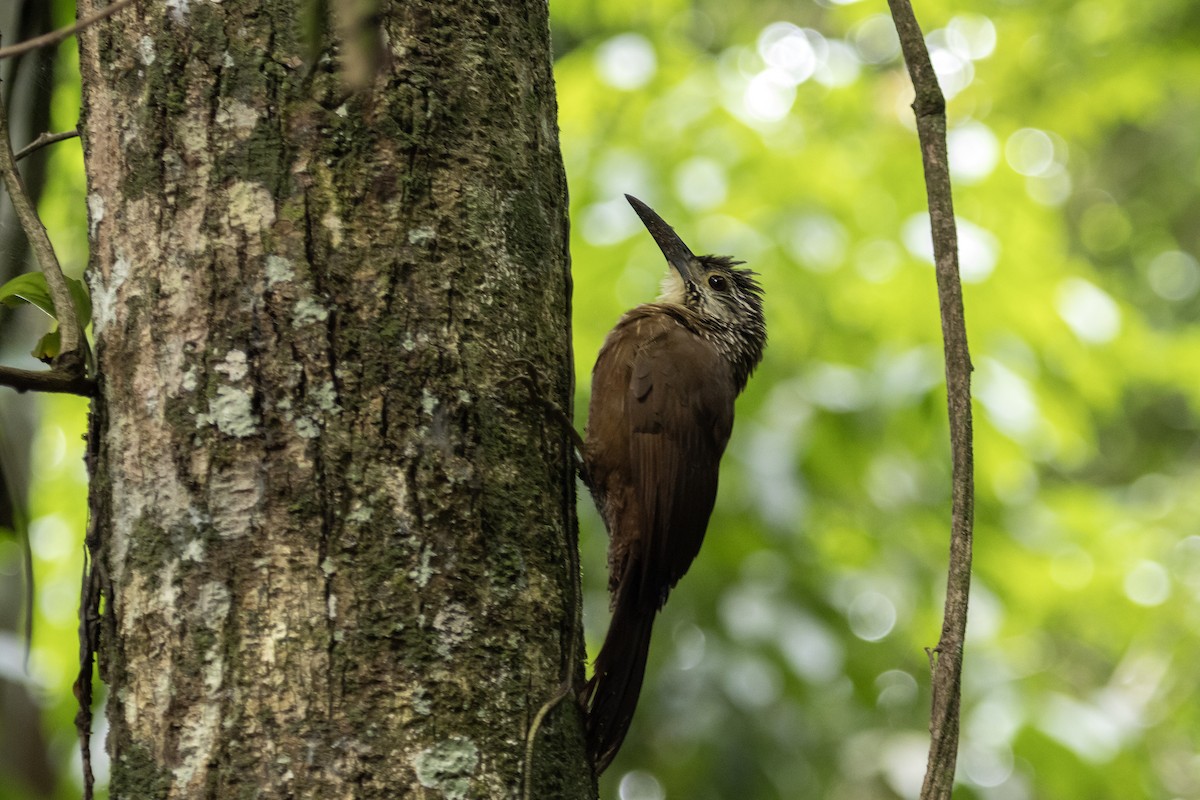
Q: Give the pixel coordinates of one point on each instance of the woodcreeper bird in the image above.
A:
(661, 412)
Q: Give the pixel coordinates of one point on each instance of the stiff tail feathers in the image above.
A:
(612, 694)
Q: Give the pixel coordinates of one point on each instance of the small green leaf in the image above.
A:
(82, 300)
(29, 288)
(47, 347)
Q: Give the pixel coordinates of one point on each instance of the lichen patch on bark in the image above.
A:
(448, 767)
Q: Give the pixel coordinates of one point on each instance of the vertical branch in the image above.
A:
(71, 355)
(930, 109)
(89, 632)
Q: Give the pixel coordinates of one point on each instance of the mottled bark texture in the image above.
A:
(335, 545)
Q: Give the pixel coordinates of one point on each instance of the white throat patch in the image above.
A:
(671, 288)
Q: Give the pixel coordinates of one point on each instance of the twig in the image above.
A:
(54, 37)
(930, 109)
(71, 359)
(43, 140)
(89, 637)
(94, 586)
(52, 380)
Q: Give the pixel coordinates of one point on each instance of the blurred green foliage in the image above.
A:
(57, 497)
(791, 661)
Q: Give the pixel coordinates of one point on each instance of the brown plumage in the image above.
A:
(661, 413)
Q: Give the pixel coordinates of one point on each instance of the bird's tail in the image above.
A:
(612, 694)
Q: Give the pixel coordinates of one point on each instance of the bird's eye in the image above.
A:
(718, 282)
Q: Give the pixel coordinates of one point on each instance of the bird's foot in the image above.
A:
(533, 381)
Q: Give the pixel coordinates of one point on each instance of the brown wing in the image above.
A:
(680, 413)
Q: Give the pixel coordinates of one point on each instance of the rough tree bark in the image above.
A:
(334, 545)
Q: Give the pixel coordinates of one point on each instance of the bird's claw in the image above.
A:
(533, 380)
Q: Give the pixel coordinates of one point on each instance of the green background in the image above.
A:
(791, 661)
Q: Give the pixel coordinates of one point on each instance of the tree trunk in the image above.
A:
(336, 543)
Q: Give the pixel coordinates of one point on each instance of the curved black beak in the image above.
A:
(677, 253)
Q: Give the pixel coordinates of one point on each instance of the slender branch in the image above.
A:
(930, 109)
(54, 37)
(94, 583)
(71, 359)
(52, 380)
(44, 140)
(89, 638)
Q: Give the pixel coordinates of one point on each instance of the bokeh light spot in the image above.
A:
(840, 67)
(626, 61)
(640, 785)
(769, 95)
(987, 766)
(1082, 727)
(971, 36)
(787, 48)
(897, 689)
(619, 171)
(1148, 583)
(872, 616)
(818, 242)
(836, 388)
(1089, 311)
(700, 183)
(1029, 151)
(752, 682)
(747, 614)
(1050, 188)
(1173, 275)
(974, 152)
(50, 537)
(58, 599)
(690, 645)
(812, 652)
(1007, 397)
(903, 762)
(875, 39)
(607, 223)
(995, 720)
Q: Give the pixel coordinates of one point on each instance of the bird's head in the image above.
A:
(721, 297)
